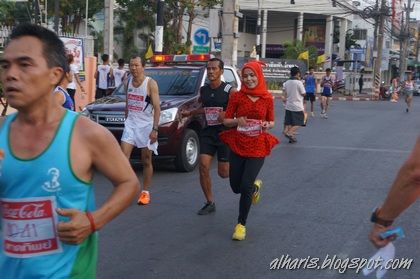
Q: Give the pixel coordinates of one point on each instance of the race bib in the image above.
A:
(135, 102)
(252, 128)
(212, 113)
(29, 227)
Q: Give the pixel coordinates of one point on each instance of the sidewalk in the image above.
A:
(337, 96)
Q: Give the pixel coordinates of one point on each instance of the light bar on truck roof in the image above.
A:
(180, 58)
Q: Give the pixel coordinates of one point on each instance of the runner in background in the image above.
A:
(327, 83)
(310, 88)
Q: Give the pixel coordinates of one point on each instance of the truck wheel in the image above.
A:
(187, 158)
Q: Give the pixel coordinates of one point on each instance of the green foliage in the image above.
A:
(350, 40)
(135, 15)
(12, 13)
(292, 51)
(273, 85)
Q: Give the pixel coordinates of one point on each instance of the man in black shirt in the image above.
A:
(214, 97)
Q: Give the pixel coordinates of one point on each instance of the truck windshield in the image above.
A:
(171, 81)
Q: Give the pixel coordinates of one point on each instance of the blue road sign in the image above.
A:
(201, 37)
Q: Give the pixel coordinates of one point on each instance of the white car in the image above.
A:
(417, 88)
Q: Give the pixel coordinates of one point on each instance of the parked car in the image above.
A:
(416, 88)
(179, 84)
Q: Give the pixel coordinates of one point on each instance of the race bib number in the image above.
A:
(135, 102)
(252, 128)
(212, 113)
(29, 227)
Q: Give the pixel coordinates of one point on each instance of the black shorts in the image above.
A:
(294, 118)
(210, 143)
(310, 97)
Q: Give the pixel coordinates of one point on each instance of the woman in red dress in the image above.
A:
(250, 113)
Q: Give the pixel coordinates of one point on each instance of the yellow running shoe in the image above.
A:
(257, 194)
(144, 198)
(239, 233)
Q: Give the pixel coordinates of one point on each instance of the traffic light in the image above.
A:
(334, 3)
(292, 2)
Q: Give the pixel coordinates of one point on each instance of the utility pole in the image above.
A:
(56, 15)
(159, 27)
(109, 29)
(258, 37)
(405, 39)
(380, 43)
(230, 32)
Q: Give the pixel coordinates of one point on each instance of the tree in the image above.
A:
(135, 15)
(72, 12)
(12, 13)
(293, 50)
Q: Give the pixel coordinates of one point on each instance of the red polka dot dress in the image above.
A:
(244, 145)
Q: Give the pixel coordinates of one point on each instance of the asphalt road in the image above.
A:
(316, 201)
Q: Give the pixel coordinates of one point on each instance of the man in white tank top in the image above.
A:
(101, 75)
(142, 121)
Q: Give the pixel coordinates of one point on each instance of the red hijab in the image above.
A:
(261, 89)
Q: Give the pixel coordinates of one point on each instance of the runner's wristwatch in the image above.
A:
(376, 219)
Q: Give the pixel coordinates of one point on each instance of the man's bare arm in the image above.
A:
(102, 152)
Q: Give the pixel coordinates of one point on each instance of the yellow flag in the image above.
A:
(320, 59)
(304, 55)
(149, 52)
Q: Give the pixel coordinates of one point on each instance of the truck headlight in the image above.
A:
(168, 115)
(85, 112)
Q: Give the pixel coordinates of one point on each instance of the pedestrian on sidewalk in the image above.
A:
(408, 89)
(48, 157)
(214, 98)
(404, 191)
(142, 121)
(327, 83)
(75, 80)
(360, 83)
(310, 88)
(395, 87)
(103, 75)
(250, 113)
(294, 93)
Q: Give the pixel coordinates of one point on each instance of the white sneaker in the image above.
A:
(325, 115)
(312, 114)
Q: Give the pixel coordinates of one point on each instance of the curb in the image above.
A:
(340, 98)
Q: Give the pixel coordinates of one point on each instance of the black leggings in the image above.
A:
(242, 173)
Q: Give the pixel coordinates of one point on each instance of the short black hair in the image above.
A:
(143, 61)
(105, 57)
(311, 68)
(121, 62)
(221, 63)
(53, 48)
(294, 71)
(328, 70)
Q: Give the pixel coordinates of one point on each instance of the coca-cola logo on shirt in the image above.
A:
(24, 211)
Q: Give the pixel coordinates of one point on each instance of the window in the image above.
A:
(360, 34)
(229, 77)
(248, 25)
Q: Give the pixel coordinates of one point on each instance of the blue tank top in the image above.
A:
(30, 191)
(68, 103)
(310, 84)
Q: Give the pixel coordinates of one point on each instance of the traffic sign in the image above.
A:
(201, 37)
(200, 49)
